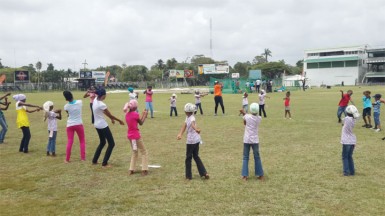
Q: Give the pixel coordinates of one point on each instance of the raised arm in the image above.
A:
(143, 118)
(342, 93)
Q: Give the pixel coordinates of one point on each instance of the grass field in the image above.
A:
(301, 159)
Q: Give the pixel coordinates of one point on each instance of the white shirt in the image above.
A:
(197, 98)
(98, 108)
(251, 129)
(245, 101)
(347, 135)
(173, 102)
(258, 82)
(74, 110)
(52, 121)
(192, 136)
(132, 96)
(262, 99)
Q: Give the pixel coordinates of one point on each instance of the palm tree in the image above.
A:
(266, 53)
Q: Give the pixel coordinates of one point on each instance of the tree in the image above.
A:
(266, 53)
(38, 66)
(241, 68)
(134, 73)
(259, 59)
(201, 59)
(1, 65)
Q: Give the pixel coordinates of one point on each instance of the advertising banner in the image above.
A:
(99, 76)
(85, 74)
(255, 74)
(213, 68)
(235, 75)
(176, 73)
(21, 76)
(188, 73)
(222, 68)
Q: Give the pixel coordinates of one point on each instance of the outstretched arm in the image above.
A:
(4, 96)
(181, 131)
(113, 118)
(6, 106)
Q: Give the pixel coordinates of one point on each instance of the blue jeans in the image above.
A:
(149, 107)
(51, 147)
(347, 159)
(4, 128)
(257, 160)
(246, 108)
(341, 109)
(376, 117)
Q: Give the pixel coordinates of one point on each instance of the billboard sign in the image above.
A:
(85, 74)
(99, 76)
(176, 73)
(213, 68)
(235, 75)
(255, 74)
(21, 76)
(188, 73)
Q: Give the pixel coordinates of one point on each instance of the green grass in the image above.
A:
(301, 159)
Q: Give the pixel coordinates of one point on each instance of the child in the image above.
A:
(149, 93)
(22, 120)
(348, 140)
(193, 142)
(51, 115)
(245, 102)
(345, 98)
(262, 97)
(376, 112)
(74, 124)
(133, 135)
(287, 105)
(366, 113)
(3, 122)
(198, 103)
(100, 109)
(251, 140)
(172, 100)
(91, 93)
(133, 96)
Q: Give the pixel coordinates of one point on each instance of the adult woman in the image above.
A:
(74, 124)
(100, 109)
(218, 97)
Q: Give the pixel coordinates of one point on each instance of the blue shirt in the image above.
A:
(367, 102)
(376, 106)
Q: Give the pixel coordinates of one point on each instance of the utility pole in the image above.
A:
(85, 63)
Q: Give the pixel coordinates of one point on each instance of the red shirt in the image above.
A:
(287, 101)
(344, 100)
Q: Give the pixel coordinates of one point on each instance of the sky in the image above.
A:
(139, 32)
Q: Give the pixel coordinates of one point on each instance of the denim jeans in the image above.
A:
(341, 109)
(51, 147)
(149, 107)
(198, 105)
(104, 134)
(173, 109)
(4, 128)
(376, 117)
(257, 160)
(192, 151)
(246, 108)
(347, 159)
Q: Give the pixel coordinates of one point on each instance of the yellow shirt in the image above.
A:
(22, 117)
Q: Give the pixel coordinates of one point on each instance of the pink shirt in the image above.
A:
(132, 124)
(148, 96)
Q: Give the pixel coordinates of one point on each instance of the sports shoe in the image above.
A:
(369, 126)
(365, 125)
(377, 130)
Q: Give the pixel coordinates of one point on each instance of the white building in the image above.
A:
(335, 66)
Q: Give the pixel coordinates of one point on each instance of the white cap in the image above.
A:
(47, 105)
(173, 95)
(189, 107)
(351, 109)
(254, 108)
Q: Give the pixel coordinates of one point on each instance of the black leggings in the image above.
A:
(262, 109)
(25, 140)
(219, 100)
(104, 134)
(176, 112)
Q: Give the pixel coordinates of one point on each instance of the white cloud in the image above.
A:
(141, 32)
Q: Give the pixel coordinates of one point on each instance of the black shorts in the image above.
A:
(367, 112)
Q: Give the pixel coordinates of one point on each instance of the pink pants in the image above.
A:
(79, 129)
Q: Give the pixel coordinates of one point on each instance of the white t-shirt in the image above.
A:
(52, 122)
(132, 96)
(197, 98)
(98, 108)
(347, 135)
(258, 82)
(192, 136)
(173, 102)
(262, 99)
(74, 110)
(245, 101)
(251, 129)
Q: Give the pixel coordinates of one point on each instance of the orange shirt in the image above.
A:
(217, 90)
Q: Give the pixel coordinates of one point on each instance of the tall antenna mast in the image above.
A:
(211, 38)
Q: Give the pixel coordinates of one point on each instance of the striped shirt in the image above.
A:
(347, 135)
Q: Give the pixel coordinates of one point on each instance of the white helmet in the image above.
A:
(189, 107)
(351, 109)
(47, 105)
(254, 108)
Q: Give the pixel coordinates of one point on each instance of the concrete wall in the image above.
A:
(332, 76)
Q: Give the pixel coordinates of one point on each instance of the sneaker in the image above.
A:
(365, 125)
(373, 128)
(377, 130)
(369, 126)
(383, 138)
(47, 153)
